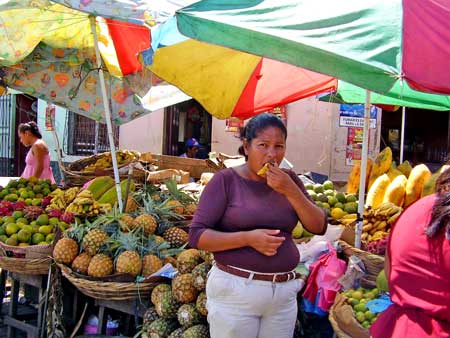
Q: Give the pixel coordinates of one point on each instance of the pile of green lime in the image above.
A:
(358, 300)
(16, 230)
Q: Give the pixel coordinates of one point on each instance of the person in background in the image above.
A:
(417, 268)
(191, 148)
(38, 157)
(246, 218)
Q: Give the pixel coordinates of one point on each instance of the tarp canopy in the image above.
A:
(369, 43)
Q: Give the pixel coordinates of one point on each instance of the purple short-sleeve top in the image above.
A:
(231, 203)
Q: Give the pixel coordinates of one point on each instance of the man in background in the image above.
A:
(192, 147)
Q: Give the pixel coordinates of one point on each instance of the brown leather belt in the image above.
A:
(276, 277)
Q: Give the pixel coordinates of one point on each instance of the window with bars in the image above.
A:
(85, 137)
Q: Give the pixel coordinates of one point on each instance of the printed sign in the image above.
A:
(352, 115)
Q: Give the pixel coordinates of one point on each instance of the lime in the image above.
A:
(329, 192)
(24, 194)
(339, 205)
(45, 229)
(8, 219)
(17, 214)
(31, 194)
(37, 238)
(354, 302)
(361, 307)
(340, 196)
(36, 202)
(37, 189)
(22, 220)
(28, 201)
(42, 220)
(350, 301)
(28, 228)
(332, 200)
(49, 238)
(2, 231)
(11, 197)
(23, 236)
(365, 324)
(318, 188)
(375, 291)
(360, 317)
(11, 229)
(3, 238)
(309, 186)
(11, 241)
(357, 295)
(53, 221)
(373, 319)
(369, 315)
(313, 195)
(328, 185)
(322, 198)
(351, 198)
(351, 207)
(319, 204)
(325, 205)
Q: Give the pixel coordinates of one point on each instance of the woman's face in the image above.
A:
(269, 145)
(25, 138)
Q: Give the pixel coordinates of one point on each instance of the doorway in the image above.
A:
(183, 121)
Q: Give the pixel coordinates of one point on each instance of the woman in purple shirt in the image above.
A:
(246, 219)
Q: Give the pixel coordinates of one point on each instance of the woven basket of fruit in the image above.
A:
(108, 290)
(373, 263)
(32, 260)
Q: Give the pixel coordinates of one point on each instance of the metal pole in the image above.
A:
(402, 135)
(362, 179)
(107, 115)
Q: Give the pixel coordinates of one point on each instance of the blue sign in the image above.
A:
(352, 115)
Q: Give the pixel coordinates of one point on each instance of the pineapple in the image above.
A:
(170, 260)
(150, 264)
(157, 291)
(159, 239)
(161, 328)
(197, 331)
(183, 288)
(207, 256)
(132, 205)
(81, 263)
(200, 304)
(150, 315)
(176, 206)
(93, 241)
(126, 223)
(65, 250)
(188, 260)
(190, 208)
(176, 237)
(146, 222)
(200, 275)
(177, 333)
(128, 259)
(167, 306)
(101, 265)
(188, 315)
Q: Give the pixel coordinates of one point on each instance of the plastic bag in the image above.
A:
(323, 285)
(355, 271)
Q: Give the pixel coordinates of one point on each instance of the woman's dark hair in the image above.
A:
(257, 124)
(31, 127)
(440, 216)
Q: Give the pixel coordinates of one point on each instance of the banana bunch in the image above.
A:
(84, 203)
(377, 222)
(57, 192)
(57, 202)
(70, 194)
(348, 219)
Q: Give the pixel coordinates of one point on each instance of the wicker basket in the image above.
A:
(32, 260)
(74, 177)
(108, 290)
(334, 324)
(341, 317)
(373, 263)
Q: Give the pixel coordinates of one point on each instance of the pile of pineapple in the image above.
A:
(179, 309)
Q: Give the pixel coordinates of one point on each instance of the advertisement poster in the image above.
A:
(49, 116)
(354, 145)
(352, 115)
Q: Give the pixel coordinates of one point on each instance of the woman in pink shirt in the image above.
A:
(38, 157)
(418, 270)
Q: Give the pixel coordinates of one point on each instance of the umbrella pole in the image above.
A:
(107, 115)
(362, 178)
(402, 135)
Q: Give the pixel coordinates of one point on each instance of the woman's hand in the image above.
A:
(280, 181)
(264, 241)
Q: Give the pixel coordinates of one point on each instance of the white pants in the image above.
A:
(244, 308)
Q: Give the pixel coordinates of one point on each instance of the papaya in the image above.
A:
(381, 165)
(405, 168)
(416, 180)
(395, 192)
(429, 186)
(382, 283)
(376, 192)
(393, 173)
(110, 196)
(354, 177)
(99, 185)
